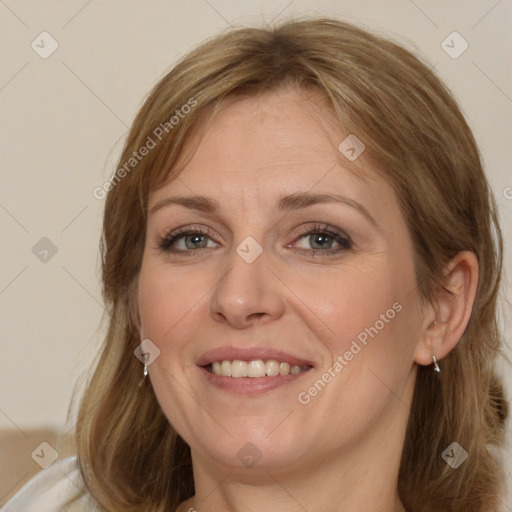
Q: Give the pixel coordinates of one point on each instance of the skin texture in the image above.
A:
(341, 450)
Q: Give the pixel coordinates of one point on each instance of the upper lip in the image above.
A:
(250, 354)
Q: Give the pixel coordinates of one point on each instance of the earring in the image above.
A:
(145, 373)
(436, 365)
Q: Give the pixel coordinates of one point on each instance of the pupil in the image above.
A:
(321, 240)
(195, 240)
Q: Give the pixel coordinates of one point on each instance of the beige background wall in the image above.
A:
(64, 118)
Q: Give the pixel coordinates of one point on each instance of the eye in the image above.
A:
(323, 239)
(319, 239)
(186, 240)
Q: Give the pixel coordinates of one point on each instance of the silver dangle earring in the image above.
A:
(436, 365)
(145, 374)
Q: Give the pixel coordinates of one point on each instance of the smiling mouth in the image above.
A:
(255, 368)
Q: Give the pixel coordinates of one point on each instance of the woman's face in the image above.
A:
(266, 251)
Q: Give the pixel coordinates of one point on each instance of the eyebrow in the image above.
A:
(285, 203)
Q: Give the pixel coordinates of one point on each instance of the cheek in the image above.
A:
(168, 301)
(165, 298)
(369, 346)
(350, 304)
(368, 320)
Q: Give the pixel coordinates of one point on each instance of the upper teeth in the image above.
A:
(254, 368)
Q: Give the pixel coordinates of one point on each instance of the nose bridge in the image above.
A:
(248, 291)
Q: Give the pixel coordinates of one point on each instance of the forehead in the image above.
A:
(269, 144)
(267, 130)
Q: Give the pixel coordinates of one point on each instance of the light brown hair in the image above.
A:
(130, 457)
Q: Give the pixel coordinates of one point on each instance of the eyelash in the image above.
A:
(165, 243)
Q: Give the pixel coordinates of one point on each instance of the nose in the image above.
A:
(247, 293)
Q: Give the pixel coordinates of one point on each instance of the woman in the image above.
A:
(302, 251)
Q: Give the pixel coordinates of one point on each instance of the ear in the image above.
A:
(447, 318)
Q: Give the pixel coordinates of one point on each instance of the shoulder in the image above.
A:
(51, 489)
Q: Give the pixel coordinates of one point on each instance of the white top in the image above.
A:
(50, 490)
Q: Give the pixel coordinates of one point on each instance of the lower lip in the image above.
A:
(250, 385)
